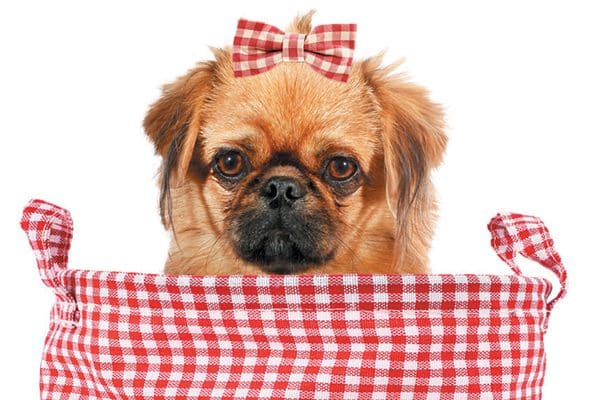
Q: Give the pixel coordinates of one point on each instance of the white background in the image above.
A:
(519, 82)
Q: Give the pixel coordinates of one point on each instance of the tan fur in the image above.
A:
(376, 116)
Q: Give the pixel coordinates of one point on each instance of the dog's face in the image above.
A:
(290, 172)
(290, 156)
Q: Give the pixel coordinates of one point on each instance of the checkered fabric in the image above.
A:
(528, 236)
(345, 337)
(328, 49)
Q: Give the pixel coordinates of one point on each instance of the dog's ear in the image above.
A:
(173, 123)
(413, 141)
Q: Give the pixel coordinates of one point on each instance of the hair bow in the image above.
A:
(328, 49)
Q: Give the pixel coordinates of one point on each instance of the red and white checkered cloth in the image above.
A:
(116, 335)
(328, 49)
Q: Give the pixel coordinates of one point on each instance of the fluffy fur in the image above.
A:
(293, 113)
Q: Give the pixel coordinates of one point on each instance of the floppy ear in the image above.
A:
(413, 143)
(173, 123)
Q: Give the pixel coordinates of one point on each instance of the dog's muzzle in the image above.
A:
(280, 234)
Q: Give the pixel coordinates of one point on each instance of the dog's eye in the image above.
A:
(341, 168)
(230, 164)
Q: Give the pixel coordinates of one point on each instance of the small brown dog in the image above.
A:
(290, 172)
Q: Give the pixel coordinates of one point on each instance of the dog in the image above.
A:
(289, 172)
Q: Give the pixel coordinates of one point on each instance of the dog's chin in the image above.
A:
(278, 253)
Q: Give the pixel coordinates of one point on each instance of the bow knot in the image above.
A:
(328, 49)
(293, 47)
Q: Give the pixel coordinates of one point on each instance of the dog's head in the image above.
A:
(288, 171)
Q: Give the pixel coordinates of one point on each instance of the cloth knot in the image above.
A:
(293, 47)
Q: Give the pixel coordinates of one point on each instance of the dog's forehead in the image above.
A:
(292, 107)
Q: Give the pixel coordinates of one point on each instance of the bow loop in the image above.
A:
(328, 49)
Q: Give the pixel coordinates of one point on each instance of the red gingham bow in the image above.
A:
(328, 49)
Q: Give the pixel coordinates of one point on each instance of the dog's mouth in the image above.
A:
(278, 253)
(278, 247)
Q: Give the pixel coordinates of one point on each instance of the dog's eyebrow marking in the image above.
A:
(332, 148)
(246, 143)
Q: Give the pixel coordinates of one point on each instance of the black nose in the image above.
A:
(282, 189)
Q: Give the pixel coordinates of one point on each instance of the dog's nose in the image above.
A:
(282, 189)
